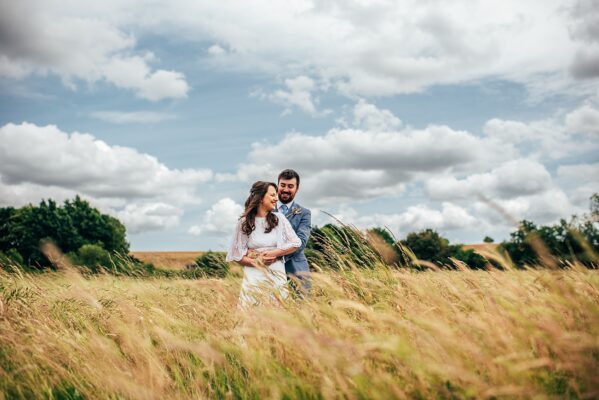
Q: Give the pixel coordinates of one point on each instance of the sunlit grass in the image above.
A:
(379, 333)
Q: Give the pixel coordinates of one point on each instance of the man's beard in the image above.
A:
(285, 201)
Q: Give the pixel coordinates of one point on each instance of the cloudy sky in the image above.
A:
(405, 114)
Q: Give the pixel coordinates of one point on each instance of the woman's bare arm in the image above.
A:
(247, 261)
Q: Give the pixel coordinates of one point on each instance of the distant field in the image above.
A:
(178, 259)
(167, 259)
(490, 247)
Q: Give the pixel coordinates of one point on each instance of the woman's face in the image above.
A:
(269, 201)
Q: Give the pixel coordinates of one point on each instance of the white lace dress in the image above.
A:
(282, 237)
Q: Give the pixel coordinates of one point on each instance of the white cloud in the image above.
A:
(382, 156)
(415, 218)
(355, 164)
(542, 208)
(585, 17)
(508, 131)
(579, 172)
(42, 162)
(369, 117)
(359, 48)
(552, 138)
(583, 120)
(512, 179)
(298, 94)
(46, 38)
(220, 219)
(144, 217)
(141, 117)
(216, 50)
(580, 181)
(386, 48)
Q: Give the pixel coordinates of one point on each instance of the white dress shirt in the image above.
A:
(289, 205)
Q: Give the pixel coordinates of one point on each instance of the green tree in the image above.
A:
(95, 227)
(519, 247)
(430, 246)
(488, 239)
(595, 207)
(71, 226)
(566, 241)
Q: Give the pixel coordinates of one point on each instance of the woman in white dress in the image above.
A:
(262, 236)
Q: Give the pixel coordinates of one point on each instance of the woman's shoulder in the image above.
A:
(279, 214)
(282, 218)
(240, 221)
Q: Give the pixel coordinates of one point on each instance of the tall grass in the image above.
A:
(375, 333)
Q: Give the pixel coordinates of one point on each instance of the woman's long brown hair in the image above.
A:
(257, 193)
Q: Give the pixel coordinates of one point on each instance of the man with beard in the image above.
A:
(296, 264)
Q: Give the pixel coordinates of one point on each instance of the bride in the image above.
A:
(262, 236)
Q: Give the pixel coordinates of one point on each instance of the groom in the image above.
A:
(296, 264)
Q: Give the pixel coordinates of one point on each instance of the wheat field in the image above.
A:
(167, 259)
(363, 334)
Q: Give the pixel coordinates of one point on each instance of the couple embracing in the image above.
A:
(269, 242)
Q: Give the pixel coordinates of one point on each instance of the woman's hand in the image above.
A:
(255, 259)
(252, 259)
(269, 257)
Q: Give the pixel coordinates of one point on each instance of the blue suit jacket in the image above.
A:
(300, 219)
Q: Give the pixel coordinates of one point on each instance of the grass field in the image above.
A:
(368, 334)
(167, 259)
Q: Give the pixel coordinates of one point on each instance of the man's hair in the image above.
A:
(289, 174)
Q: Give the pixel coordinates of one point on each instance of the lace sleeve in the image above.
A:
(239, 245)
(286, 238)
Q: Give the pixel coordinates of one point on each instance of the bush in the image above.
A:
(469, 257)
(11, 258)
(212, 265)
(91, 256)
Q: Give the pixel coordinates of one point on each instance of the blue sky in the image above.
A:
(395, 113)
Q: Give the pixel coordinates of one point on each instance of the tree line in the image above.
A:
(96, 240)
(75, 227)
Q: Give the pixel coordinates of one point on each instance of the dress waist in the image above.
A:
(262, 249)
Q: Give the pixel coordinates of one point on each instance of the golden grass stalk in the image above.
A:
(364, 333)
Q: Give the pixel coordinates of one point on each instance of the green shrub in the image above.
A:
(91, 256)
(469, 257)
(11, 258)
(211, 264)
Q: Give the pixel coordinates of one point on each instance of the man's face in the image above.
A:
(287, 190)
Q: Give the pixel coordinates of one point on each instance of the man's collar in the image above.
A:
(289, 205)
